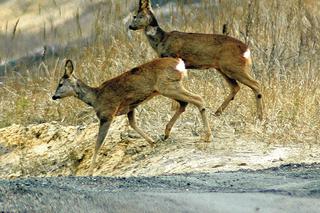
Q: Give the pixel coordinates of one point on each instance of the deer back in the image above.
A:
(203, 50)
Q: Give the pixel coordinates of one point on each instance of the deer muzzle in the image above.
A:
(55, 97)
(132, 27)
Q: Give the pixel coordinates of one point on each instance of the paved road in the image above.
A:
(290, 188)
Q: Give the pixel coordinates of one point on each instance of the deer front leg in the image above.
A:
(103, 130)
(132, 122)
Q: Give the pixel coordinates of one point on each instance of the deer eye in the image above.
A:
(134, 16)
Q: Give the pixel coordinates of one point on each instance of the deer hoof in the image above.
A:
(208, 138)
(165, 137)
(218, 113)
(90, 172)
(152, 143)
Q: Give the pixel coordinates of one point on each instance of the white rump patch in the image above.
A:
(247, 54)
(181, 67)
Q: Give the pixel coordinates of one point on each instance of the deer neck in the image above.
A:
(154, 33)
(85, 93)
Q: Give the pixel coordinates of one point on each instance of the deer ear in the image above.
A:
(68, 68)
(144, 4)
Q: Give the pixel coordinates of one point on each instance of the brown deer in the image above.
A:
(228, 55)
(122, 94)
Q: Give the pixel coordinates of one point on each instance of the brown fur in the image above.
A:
(202, 51)
(122, 94)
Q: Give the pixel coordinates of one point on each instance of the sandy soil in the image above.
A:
(51, 149)
(44, 166)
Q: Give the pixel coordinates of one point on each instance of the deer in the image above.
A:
(122, 94)
(228, 55)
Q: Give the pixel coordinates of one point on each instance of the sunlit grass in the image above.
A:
(285, 51)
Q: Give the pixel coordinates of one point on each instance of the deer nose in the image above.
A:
(55, 97)
(132, 28)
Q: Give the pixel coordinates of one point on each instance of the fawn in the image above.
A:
(122, 94)
(229, 56)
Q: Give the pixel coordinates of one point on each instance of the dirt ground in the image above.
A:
(288, 188)
(50, 149)
(43, 168)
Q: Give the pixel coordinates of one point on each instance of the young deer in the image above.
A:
(228, 55)
(122, 94)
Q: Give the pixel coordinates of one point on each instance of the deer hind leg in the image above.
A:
(183, 95)
(103, 130)
(175, 105)
(234, 87)
(133, 124)
(175, 117)
(247, 80)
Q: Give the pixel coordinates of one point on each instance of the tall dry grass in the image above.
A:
(284, 40)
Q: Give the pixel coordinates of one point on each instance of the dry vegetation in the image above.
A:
(284, 37)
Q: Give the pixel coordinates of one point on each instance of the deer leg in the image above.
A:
(103, 130)
(177, 114)
(183, 95)
(208, 136)
(132, 122)
(234, 87)
(247, 80)
(175, 105)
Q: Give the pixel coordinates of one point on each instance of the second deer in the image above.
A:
(228, 55)
(122, 94)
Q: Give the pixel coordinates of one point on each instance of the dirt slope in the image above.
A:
(50, 149)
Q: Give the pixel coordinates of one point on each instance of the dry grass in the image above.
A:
(285, 50)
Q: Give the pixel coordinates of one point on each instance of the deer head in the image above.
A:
(67, 83)
(144, 17)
